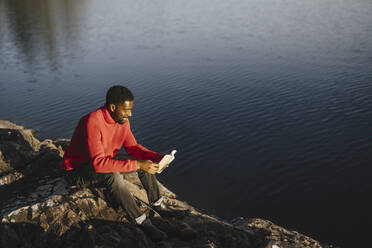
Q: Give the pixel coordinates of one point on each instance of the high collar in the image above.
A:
(107, 115)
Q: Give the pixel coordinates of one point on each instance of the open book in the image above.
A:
(166, 160)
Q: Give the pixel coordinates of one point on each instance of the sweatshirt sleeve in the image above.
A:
(137, 151)
(100, 162)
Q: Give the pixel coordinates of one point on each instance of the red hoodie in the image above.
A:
(98, 138)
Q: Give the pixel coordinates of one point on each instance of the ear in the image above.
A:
(112, 107)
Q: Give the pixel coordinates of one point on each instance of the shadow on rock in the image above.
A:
(92, 233)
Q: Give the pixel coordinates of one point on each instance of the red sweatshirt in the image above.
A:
(98, 138)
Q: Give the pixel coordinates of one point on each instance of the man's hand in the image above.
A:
(147, 166)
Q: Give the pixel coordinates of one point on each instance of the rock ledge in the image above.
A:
(39, 209)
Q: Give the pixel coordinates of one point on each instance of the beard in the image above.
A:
(119, 120)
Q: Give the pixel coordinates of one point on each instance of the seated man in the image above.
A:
(89, 158)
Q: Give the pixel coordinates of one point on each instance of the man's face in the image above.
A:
(121, 113)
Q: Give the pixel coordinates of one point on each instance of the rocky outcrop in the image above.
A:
(39, 209)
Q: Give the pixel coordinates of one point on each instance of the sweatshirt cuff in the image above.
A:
(134, 165)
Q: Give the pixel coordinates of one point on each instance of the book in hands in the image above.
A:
(166, 160)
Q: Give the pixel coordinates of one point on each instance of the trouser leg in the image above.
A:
(84, 176)
(116, 184)
(150, 183)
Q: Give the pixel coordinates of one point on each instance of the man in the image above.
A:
(89, 158)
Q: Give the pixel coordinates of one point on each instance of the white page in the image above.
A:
(166, 160)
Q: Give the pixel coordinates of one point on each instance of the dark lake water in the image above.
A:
(269, 103)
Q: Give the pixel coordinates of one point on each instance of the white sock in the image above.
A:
(158, 202)
(140, 219)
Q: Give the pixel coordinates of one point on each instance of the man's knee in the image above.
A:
(145, 175)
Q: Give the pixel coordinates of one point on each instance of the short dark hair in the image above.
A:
(118, 94)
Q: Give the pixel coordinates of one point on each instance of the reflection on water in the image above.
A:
(39, 30)
(268, 102)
